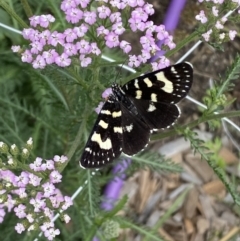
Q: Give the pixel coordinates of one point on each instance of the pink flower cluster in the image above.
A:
(215, 32)
(34, 210)
(96, 25)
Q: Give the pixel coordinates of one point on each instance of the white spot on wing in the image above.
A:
(117, 129)
(106, 112)
(128, 128)
(138, 94)
(151, 108)
(168, 87)
(106, 145)
(148, 82)
(136, 84)
(116, 114)
(103, 124)
(154, 97)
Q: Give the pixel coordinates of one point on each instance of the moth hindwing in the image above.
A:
(133, 111)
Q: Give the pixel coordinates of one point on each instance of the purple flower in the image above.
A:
(85, 61)
(68, 203)
(125, 46)
(45, 20)
(66, 218)
(115, 17)
(83, 3)
(10, 203)
(63, 60)
(56, 38)
(106, 93)
(51, 233)
(34, 21)
(232, 34)
(81, 30)
(30, 218)
(22, 180)
(94, 49)
(36, 47)
(48, 188)
(50, 56)
(103, 12)
(161, 32)
(38, 204)
(48, 212)
(201, 17)
(148, 8)
(20, 211)
(21, 192)
(43, 36)
(98, 109)
(70, 35)
(2, 214)
(46, 226)
(112, 40)
(70, 49)
(102, 31)
(55, 177)
(61, 159)
(15, 48)
(68, 4)
(118, 28)
(9, 177)
(34, 180)
(50, 164)
(39, 63)
(74, 15)
(90, 17)
(36, 165)
(83, 46)
(27, 56)
(133, 61)
(19, 228)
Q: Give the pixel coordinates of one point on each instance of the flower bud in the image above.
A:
(3, 148)
(14, 150)
(110, 229)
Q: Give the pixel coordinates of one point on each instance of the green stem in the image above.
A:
(13, 14)
(195, 123)
(27, 8)
(182, 43)
(75, 145)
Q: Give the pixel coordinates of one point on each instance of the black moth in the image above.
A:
(133, 111)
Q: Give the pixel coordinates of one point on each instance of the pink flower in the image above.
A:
(50, 56)
(15, 48)
(112, 40)
(85, 61)
(27, 56)
(81, 30)
(51, 233)
(20, 211)
(55, 177)
(74, 15)
(103, 12)
(48, 188)
(34, 21)
(44, 20)
(125, 46)
(36, 165)
(232, 34)
(201, 17)
(90, 17)
(19, 228)
(70, 35)
(133, 61)
(206, 35)
(34, 180)
(63, 60)
(61, 159)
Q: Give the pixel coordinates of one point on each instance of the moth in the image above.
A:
(133, 111)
